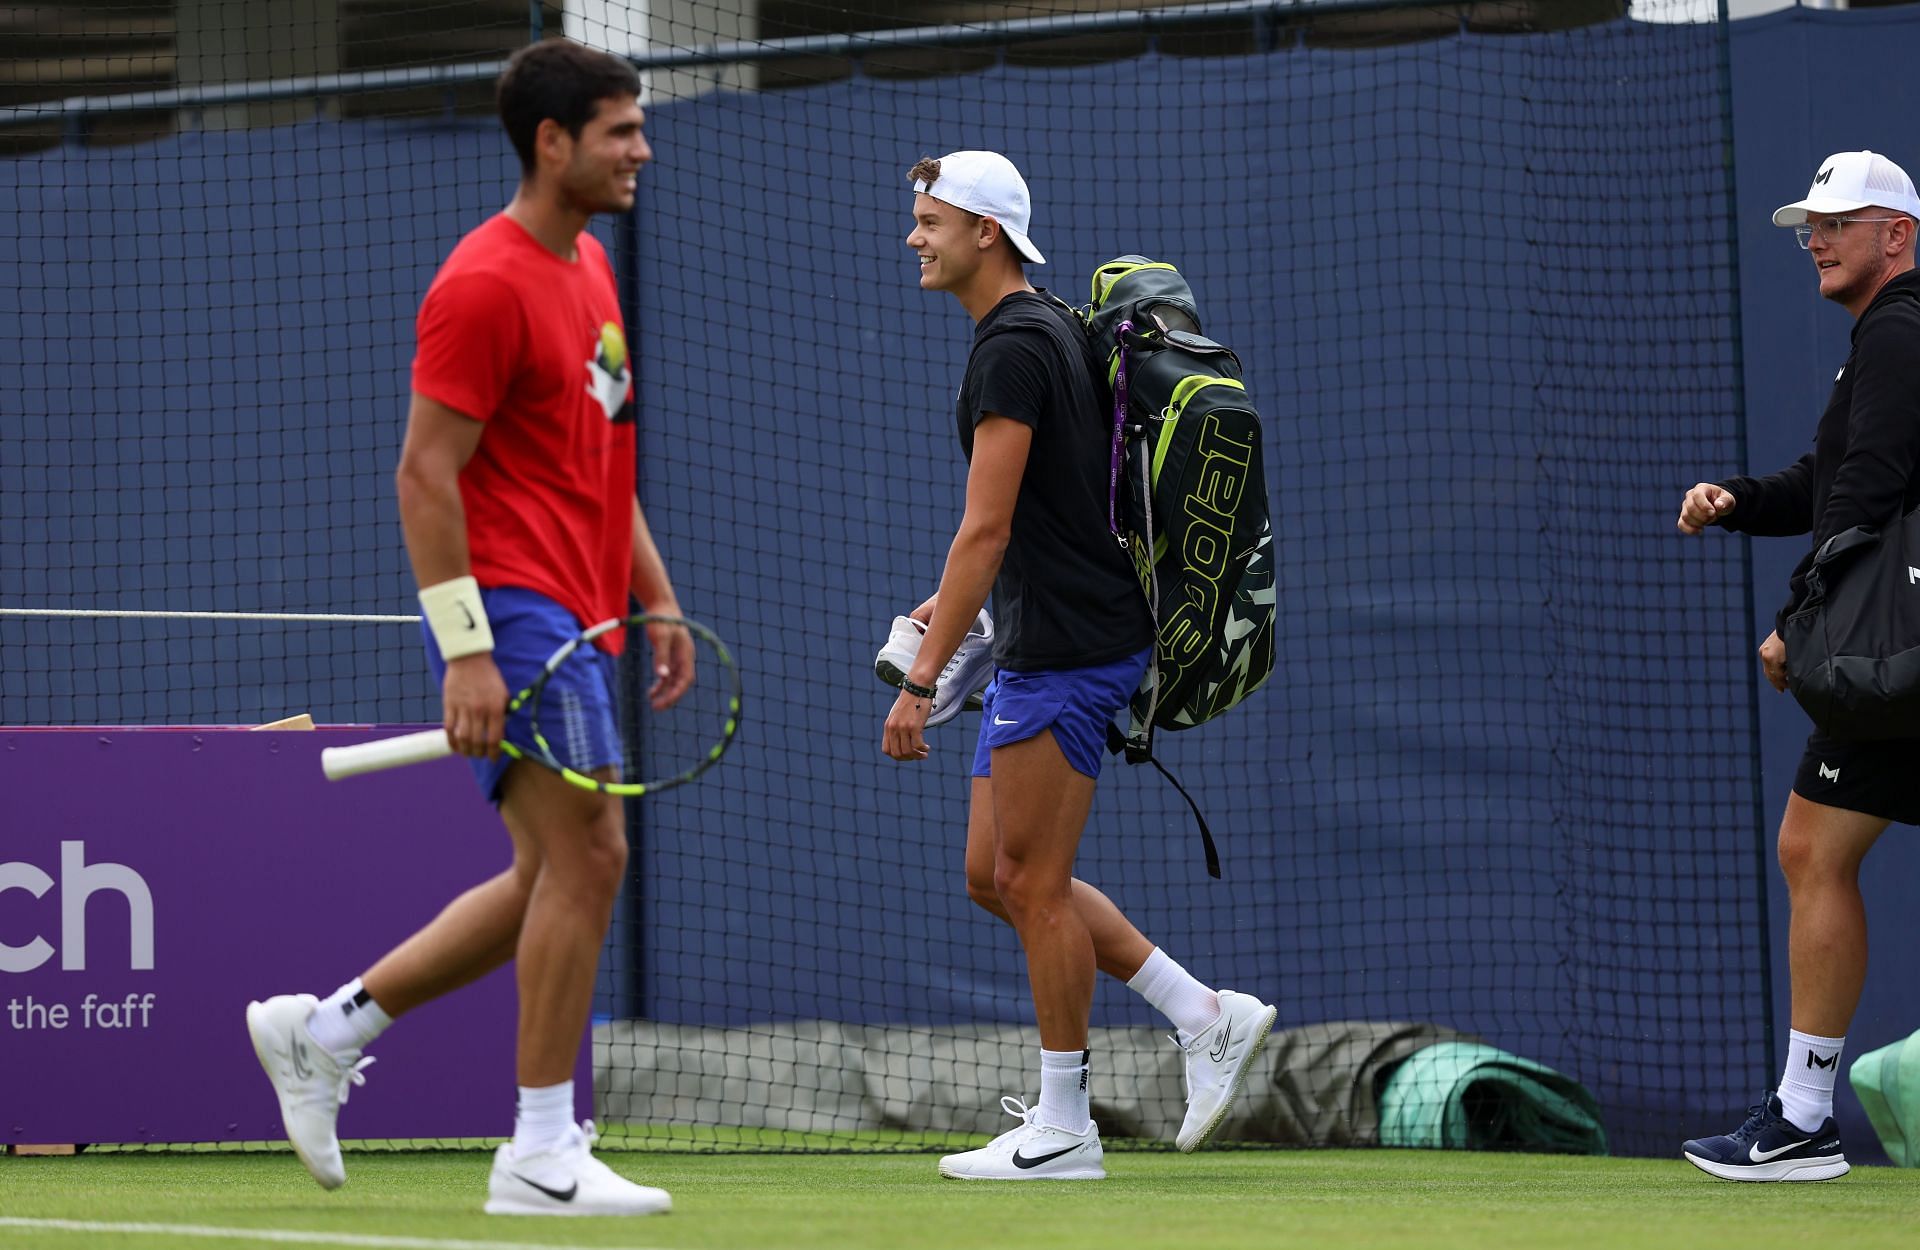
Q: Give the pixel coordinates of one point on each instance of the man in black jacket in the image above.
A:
(1857, 223)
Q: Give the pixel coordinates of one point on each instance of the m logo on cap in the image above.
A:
(1821, 177)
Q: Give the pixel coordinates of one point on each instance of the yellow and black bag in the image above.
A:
(1189, 501)
(1189, 498)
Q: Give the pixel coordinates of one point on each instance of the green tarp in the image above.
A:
(1887, 1082)
(1467, 1095)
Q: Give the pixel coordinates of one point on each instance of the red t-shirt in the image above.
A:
(533, 345)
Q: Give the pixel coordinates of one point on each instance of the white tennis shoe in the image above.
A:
(1216, 1064)
(310, 1081)
(567, 1180)
(960, 682)
(1031, 1152)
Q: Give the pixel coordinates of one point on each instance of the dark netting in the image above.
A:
(1481, 276)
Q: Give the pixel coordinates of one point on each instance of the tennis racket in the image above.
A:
(658, 749)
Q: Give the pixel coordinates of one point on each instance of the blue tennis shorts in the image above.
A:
(577, 708)
(1076, 703)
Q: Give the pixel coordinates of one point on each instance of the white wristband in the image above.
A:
(457, 617)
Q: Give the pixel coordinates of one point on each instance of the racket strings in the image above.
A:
(596, 711)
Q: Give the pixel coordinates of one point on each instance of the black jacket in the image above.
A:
(1861, 468)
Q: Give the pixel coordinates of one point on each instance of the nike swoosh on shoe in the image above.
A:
(1757, 1155)
(1023, 1161)
(558, 1195)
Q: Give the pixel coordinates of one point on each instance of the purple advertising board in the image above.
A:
(152, 881)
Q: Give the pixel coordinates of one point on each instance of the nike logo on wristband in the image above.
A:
(468, 613)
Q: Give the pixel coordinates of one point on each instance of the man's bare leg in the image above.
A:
(1221, 1034)
(1040, 806)
(1821, 849)
(580, 838)
(1791, 1137)
(1118, 947)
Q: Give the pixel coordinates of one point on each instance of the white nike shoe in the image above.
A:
(567, 1180)
(1216, 1064)
(311, 1081)
(960, 682)
(1031, 1152)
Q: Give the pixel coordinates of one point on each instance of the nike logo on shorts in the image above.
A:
(999, 720)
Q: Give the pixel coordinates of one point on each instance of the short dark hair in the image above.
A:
(557, 79)
(927, 170)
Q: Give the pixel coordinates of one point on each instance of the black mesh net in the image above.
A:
(1468, 809)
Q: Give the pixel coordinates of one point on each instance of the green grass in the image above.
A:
(1329, 1200)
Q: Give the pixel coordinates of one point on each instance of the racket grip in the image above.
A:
(372, 757)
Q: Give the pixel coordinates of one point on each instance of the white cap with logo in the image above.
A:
(1849, 181)
(986, 183)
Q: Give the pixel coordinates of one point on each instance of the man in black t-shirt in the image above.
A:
(1074, 638)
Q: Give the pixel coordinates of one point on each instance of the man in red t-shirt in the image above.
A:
(516, 489)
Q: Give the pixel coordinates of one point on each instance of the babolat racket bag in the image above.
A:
(1853, 645)
(1190, 497)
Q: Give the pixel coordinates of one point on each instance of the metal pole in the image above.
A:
(954, 35)
(1757, 796)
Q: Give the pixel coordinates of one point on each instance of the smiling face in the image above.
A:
(598, 170)
(947, 241)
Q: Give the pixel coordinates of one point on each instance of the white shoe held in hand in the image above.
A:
(960, 682)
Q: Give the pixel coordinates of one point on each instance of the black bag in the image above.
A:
(1853, 646)
(1188, 503)
(1190, 497)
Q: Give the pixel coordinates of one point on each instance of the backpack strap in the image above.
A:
(1119, 430)
(1117, 743)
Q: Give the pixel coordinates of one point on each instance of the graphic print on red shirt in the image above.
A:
(533, 345)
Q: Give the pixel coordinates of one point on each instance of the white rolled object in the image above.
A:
(373, 757)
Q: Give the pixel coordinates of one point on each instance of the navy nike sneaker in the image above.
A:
(1770, 1147)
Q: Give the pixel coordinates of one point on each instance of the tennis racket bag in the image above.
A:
(1189, 498)
(1853, 645)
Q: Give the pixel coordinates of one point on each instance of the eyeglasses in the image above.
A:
(1829, 228)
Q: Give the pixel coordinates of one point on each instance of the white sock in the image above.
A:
(542, 1119)
(1806, 1088)
(348, 1019)
(1175, 994)
(1063, 1089)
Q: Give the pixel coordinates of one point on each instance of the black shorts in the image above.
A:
(1874, 778)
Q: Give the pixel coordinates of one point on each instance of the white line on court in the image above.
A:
(280, 1235)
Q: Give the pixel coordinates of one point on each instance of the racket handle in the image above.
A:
(371, 757)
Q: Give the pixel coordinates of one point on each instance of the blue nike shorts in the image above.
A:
(577, 708)
(1076, 703)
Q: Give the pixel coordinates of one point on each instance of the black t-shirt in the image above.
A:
(1066, 595)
